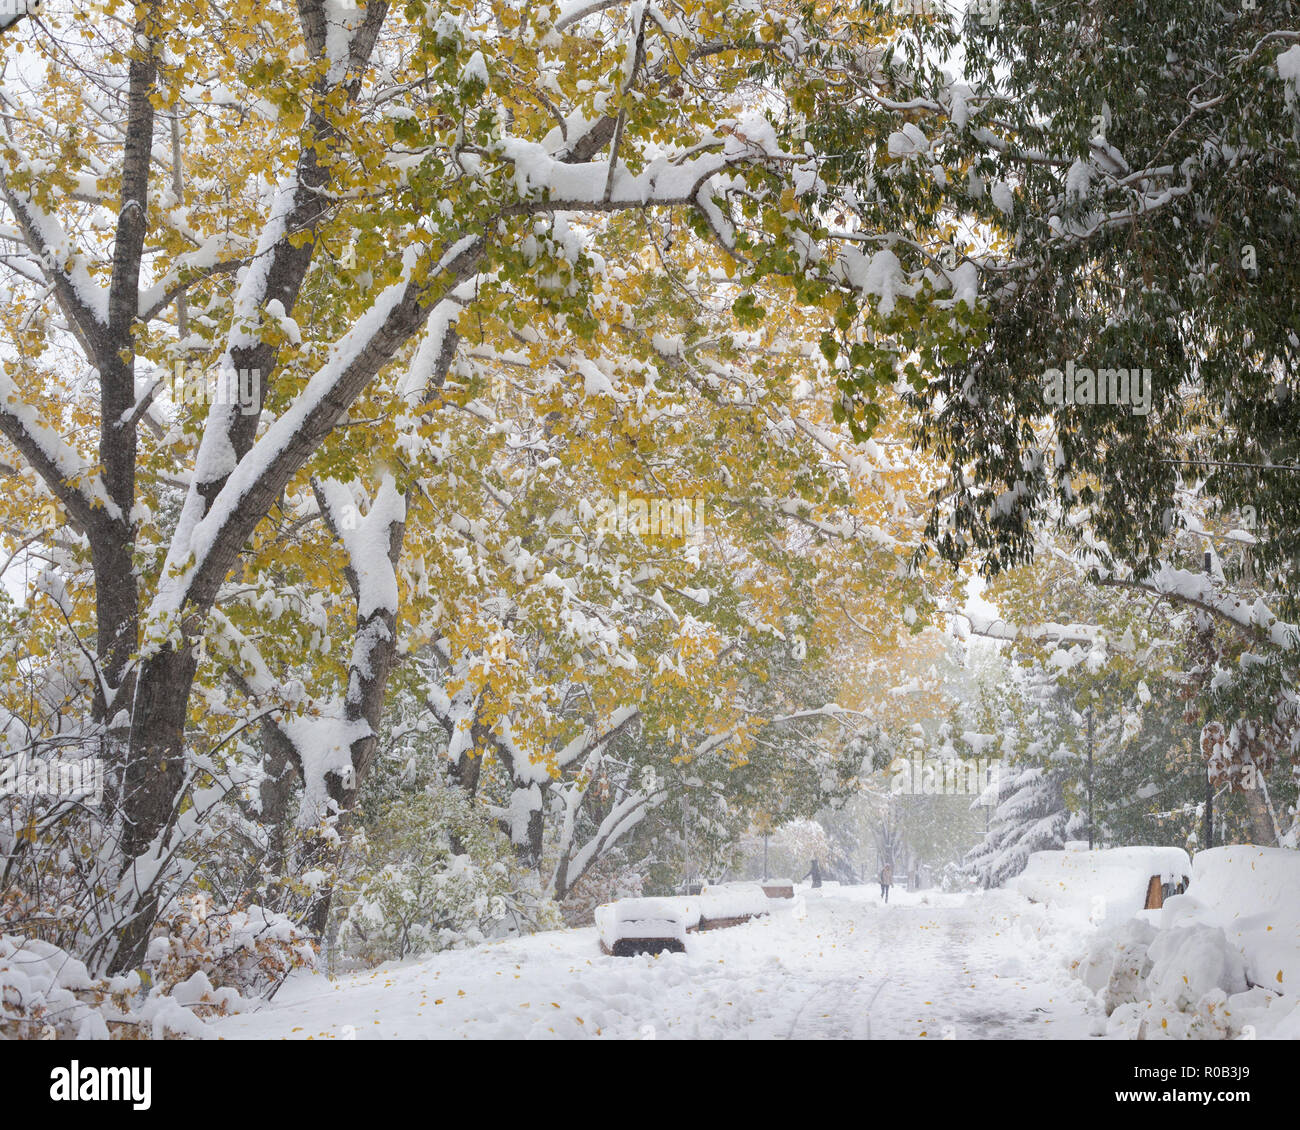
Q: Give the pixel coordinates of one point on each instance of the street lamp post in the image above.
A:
(686, 843)
(1090, 830)
(1209, 785)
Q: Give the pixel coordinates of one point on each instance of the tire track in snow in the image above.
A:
(845, 1021)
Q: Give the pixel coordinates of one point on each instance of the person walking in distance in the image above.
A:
(886, 880)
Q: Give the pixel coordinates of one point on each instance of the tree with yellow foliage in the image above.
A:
(258, 255)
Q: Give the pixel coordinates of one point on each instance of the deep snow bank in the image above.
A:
(1253, 894)
(1219, 962)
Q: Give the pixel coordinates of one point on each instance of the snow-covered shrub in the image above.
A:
(196, 968)
(249, 952)
(435, 874)
(46, 993)
(53, 880)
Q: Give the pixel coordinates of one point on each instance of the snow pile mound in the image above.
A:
(1223, 961)
(1191, 961)
(1115, 966)
(1253, 893)
(1187, 984)
(1108, 884)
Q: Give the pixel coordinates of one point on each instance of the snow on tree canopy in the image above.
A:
(880, 276)
(1288, 69)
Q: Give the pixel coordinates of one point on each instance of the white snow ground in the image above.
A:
(834, 963)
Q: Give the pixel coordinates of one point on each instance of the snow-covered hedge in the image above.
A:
(1108, 884)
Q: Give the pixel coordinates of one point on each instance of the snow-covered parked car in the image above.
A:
(1109, 883)
(632, 926)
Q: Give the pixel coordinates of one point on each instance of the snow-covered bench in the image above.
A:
(730, 904)
(656, 925)
(778, 888)
(632, 926)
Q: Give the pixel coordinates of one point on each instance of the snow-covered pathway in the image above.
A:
(835, 964)
(917, 969)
